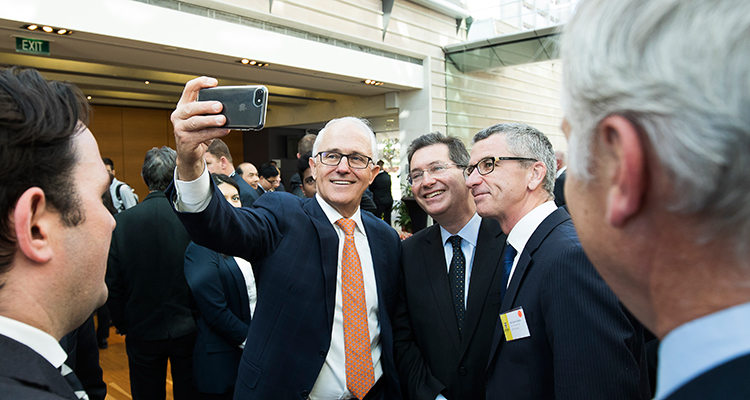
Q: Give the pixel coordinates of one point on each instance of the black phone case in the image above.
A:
(244, 106)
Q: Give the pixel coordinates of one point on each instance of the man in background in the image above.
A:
(219, 161)
(561, 332)
(560, 175)
(268, 178)
(123, 196)
(149, 297)
(659, 135)
(304, 146)
(247, 172)
(381, 194)
(54, 232)
(452, 275)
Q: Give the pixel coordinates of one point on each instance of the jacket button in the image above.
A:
(462, 371)
(304, 394)
(322, 354)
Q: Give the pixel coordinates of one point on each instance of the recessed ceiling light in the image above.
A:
(47, 29)
(88, 97)
(62, 31)
(147, 82)
(245, 61)
(32, 27)
(253, 63)
(372, 82)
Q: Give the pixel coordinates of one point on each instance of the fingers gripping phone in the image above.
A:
(244, 106)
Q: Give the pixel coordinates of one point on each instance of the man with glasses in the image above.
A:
(449, 297)
(561, 332)
(327, 274)
(268, 178)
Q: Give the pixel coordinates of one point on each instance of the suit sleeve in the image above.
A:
(202, 274)
(117, 288)
(589, 332)
(415, 376)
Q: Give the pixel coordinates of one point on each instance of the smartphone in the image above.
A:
(244, 106)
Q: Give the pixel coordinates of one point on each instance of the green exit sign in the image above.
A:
(32, 46)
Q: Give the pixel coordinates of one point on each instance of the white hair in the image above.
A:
(678, 70)
(363, 124)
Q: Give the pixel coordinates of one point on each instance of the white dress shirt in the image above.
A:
(41, 342)
(469, 234)
(526, 226)
(194, 196)
(701, 345)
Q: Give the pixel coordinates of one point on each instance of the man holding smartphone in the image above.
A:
(327, 274)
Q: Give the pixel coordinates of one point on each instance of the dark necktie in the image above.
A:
(508, 257)
(457, 280)
(73, 381)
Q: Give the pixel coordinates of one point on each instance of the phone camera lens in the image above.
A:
(259, 97)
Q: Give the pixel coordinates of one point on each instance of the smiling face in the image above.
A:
(503, 194)
(342, 186)
(444, 195)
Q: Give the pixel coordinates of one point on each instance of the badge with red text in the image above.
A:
(514, 324)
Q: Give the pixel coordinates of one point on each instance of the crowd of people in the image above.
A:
(633, 283)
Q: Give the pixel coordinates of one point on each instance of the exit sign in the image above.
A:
(32, 46)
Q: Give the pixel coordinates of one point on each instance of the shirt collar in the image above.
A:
(469, 233)
(560, 171)
(41, 342)
(521, 233)
(701, 345)
(334, 215)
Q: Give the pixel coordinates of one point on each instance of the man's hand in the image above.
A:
(195, 126)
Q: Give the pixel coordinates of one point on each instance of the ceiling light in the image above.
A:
(88, 97)
(147, 82)
(253, 63)
(47, 29)
(62, 31)
(32, 27)
(372, 82)
(245, 61)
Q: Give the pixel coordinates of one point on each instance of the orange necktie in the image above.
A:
(360, 374)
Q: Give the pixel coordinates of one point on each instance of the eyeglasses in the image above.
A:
(487, 165)
(356, 161)
(435, 170)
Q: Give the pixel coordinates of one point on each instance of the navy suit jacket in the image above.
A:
(431, 355)
(24, 374)
(220, 292)
(728, 381)
(583, 343)
(294, 252)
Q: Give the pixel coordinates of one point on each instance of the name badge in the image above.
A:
(514, 324)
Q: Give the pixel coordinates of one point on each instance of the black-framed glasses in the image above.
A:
(436, 169)
(487, 164)
(356, 161)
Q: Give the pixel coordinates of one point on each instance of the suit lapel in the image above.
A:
(239, 281)
(437, 276)
(524, 264)
(487, 263)
(328, 242)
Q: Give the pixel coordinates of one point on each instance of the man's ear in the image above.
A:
(313, 170)
(538, 172)
(375, 171)
(33, 221)
(224, 162)
(624, 149)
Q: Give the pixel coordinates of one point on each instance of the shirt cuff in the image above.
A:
(192, 196)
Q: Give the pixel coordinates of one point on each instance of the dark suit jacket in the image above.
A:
(431, 356)
(149, 297)
(83, 359)
(294, 252)
(728, 381)
(583, 343)
(560, 189)
(381, 189)
(247, 193)
(220, 291)
(24, 374)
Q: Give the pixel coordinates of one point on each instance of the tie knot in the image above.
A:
(347, 225)
(455, 241)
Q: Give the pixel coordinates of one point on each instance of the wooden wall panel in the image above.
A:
(125, 134)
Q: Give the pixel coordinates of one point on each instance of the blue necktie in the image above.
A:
(508, 257)
(457, 280)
